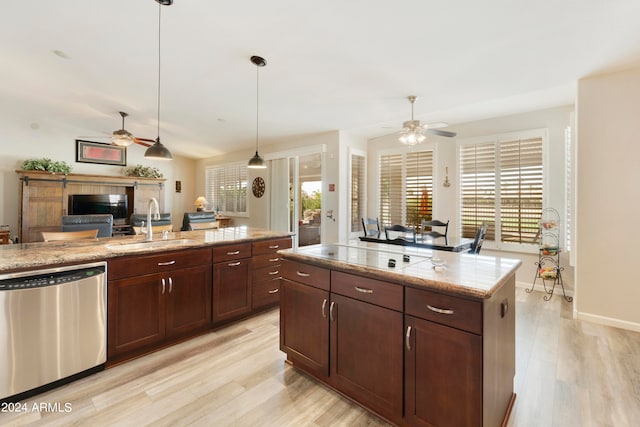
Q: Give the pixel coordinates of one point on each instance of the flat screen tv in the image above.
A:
(115, 204)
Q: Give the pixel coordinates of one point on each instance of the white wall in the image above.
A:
(555, 120)
(19, 142)
(608, 205)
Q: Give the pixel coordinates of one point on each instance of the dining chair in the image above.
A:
(204, 225)
(444, 226)
(154, 228)
(50, 236)
(478, 240)
(400, 232)
(371, 227)
(103, 222)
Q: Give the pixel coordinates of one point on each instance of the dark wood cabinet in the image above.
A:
(366, 354)
(443, 375)
(155, 299)
(308, 346)
(231, 284)
(265, 276)
(414, 356)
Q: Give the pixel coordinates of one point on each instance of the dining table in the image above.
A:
(451, 244)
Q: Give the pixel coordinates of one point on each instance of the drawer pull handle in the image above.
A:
(324, 308)
(407, 338)
(274, 246)
(300, 273)
(274, 291)
(164, 285)
(439, 310)
(234, 264)
(273, 273)
(167, 263)
(363, 290)
(274, 259)
(331, 311)
(170, 284)
(233, 253)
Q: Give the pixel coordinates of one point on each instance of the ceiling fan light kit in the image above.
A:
(122, 137)
(412, 132)
(257, 162)
(157, 150)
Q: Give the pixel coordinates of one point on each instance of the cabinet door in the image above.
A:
(366, 354)
(136, 314)
(231, 293)
(304, 326)
(443, 375)
(189, 299)
(43, 204)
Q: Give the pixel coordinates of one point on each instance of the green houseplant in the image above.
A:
(143, 171)
(45, 164)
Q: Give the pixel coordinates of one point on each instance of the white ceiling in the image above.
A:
(331, 64)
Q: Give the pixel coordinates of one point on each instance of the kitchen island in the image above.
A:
(420, 337)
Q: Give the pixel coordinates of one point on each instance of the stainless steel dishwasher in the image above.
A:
(53, 327)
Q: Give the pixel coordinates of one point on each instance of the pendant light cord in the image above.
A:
(257, 103)
(159, 35)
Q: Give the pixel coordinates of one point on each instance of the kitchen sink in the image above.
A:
(124, 247)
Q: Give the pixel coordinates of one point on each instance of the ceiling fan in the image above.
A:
(123, 137)
(412, 131)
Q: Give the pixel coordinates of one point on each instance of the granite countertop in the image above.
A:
(462, 274)
(32, 255)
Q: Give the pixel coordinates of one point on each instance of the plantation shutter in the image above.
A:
(226, 188)
(520, 189)
(391, 189)
(477, 188)
(419, 187)
(357, 191)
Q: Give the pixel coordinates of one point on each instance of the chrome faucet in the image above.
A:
(153, 203)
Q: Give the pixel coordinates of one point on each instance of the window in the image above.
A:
(501, 183)
(406, 184)
(226, 188)
(357, 192)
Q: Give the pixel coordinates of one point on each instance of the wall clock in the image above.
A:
(258, 187)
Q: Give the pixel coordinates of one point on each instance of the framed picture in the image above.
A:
(97, 152)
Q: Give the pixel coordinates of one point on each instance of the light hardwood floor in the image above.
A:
(569, 373)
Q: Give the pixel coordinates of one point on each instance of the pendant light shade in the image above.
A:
(257, 162)
(157, 150)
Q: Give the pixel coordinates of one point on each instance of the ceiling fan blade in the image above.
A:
(442, 133)
(143, 141)
(436, 125)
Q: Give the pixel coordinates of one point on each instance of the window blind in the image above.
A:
(357, 191)
(520, 190)
(226, 188)
(418, 187)
(391, 189)
(406, 185)
(478, 188)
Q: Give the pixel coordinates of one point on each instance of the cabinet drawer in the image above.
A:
(136, 265)
(384, 294)
(266, 260)
(265, 293)
(229, 252)
(266, 273)
(271, 246)
(444, 309)
(308, 274)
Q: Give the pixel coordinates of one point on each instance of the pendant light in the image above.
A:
(257, 162)
(157, 150)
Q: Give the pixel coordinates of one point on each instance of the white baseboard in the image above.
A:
(607, 321)
(539, 287)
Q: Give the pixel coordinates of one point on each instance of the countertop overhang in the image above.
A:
(467, 275)
(33, 255)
